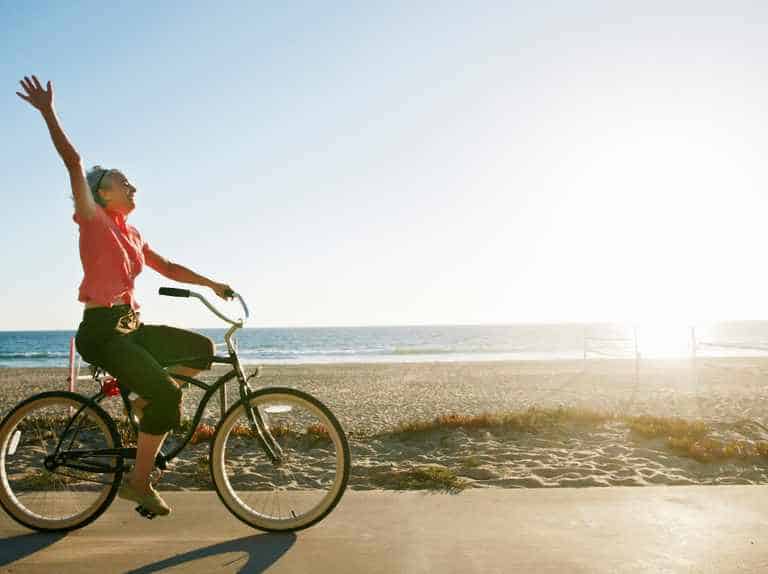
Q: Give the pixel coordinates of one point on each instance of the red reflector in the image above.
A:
(110, 387)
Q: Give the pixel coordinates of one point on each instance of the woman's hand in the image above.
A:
(222, 290)
(38, 97)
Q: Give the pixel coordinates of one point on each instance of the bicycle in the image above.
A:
(279, 458)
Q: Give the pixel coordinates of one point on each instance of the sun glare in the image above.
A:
(655, 339)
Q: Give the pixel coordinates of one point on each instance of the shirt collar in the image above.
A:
(119, 220)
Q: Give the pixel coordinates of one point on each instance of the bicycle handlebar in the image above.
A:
(174, 292)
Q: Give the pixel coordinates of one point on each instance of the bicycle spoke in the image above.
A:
(306, 481)
(57, 496)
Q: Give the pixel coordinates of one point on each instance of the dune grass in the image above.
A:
(204, 432)
(534, 419)
(424, 477)
(689, 438)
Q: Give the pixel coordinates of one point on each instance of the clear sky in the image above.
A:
(385, 163)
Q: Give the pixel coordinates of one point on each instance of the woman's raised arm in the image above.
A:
(42, 100)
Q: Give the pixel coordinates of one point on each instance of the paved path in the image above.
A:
(722, 530)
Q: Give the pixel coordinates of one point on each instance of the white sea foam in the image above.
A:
(443, 343)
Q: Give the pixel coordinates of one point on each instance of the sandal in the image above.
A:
(150, 501)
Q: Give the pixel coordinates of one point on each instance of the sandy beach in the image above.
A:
(373, 401)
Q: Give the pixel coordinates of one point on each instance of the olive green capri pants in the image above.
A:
(136, 355)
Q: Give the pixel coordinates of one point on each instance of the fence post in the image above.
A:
(694, 364)
(71, 379)
(637, 358)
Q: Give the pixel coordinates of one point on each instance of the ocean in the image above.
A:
(440, 343)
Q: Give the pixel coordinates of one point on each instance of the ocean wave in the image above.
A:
(34, 355)
(425, 351)
(268, 352)
(472, 350)
(380, 351)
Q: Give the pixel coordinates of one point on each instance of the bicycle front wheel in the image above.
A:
(309, 477)
(57, 495)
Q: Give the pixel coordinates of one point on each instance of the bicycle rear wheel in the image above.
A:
(304, 485)
(57, 497)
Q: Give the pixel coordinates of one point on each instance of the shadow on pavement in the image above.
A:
(263, 550)
(18, 547)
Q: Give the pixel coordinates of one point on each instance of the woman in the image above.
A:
(110, 334)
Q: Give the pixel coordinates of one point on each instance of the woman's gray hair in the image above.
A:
(97, 179)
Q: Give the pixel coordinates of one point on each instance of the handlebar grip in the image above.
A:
(173, 292)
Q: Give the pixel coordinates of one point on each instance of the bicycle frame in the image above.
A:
(264, 437)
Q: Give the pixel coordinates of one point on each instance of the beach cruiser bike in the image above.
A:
(279, 459)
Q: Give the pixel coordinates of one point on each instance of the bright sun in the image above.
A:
(657, 339)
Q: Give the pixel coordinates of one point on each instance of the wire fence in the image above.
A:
(700, 350)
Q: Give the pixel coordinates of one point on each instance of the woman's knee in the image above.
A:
(164, 410)
(183, 370)
(207, 350)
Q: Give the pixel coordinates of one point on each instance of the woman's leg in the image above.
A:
(133, 359)
(149, 445)
(140, 403)
(165, 344)
(182, 370)
(140, 372)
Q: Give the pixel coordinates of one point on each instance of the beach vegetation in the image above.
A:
(125, 430)
(318, 432)
(36, 480)
(472, 462)
(241, 430)
(52, 425)
(534, 419)
(185, 425)
(202, 471)
(708, 449)
(42, 423)
(690, 439)
(203, 433)
(314, 432)
(672, 427)
(423, 477)
(43, 479)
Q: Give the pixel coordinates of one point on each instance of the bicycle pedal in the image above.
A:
(145, 513)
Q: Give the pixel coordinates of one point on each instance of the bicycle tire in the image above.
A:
(325, 445)
(24, 443)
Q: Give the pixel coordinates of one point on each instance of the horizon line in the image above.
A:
(688, 323)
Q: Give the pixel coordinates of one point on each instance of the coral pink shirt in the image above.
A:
(112, 254)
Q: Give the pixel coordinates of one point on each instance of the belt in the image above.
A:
(118, 301)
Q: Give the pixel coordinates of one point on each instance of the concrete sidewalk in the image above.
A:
(721, 530)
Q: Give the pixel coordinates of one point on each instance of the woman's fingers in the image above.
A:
(36, 95)
(30, 87)
(223, 290)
